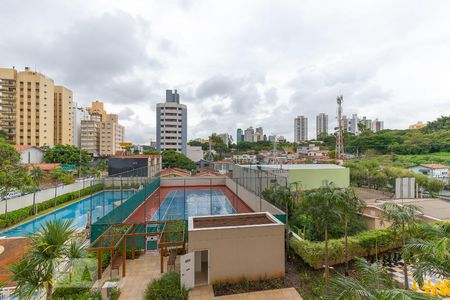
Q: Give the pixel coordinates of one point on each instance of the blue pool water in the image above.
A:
(99, 205)
(198, 203)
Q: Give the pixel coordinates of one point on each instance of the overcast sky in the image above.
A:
(239, 63)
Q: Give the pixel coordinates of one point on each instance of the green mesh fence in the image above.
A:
(120, 213)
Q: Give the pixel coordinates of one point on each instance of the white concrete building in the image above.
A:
(30, 154)
(300, 129)
(195, 153)
(171, 124)
(321, 124)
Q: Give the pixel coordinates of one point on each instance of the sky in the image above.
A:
(239, 63)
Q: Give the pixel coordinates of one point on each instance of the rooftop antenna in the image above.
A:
(339, 134)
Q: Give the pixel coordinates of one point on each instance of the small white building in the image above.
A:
(436, 171)
(30, 154)
(195, 153)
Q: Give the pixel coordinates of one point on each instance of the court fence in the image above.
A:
(122, 212)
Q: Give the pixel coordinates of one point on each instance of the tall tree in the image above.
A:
(37, 175)
(172, 159)
(67, 154)
(322, 207)
(402, 219)
(12, 174)
(349, 206)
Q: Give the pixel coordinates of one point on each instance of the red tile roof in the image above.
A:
(45, 166)
(174, 171)
(22, 148)
(435, 166)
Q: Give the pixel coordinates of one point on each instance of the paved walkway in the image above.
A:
(206, 293)
(139, 273)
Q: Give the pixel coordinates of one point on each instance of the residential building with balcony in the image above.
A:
(171, 124)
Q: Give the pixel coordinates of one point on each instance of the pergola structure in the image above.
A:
(172, 235)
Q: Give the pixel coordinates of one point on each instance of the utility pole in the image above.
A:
(339, 134)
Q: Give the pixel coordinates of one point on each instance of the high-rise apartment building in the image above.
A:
(33, 112)
(63, 116)
(366, 123)
(239, 135)
(249, 134)
(300, 129)
(344, 123)
(79, 114)
(353, 124)
(377, 125)
(321, 124)
(171, 124)
(102, 134)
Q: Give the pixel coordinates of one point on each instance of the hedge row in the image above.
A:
(362, 244)
(21, 214)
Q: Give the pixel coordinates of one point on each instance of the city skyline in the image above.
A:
(228, 82)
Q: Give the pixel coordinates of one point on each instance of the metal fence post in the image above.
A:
(210, 197)
(121, 190)
(104, 195)
(184, 188)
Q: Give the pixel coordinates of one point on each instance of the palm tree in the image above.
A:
(431, 254)
(371, 282)
(402, 218)
(49, 247)
(349, 206)
(37, 175)
(321, 205)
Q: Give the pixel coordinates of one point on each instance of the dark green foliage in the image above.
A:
(86, 274)
(67, 154)
(76, 293)
(115, 293)
(19, 215)
(12, 174)
(363, 244)
(246, 286)
(166, 288)
(173, 159)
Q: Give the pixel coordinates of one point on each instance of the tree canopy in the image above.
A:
(173, 159)
(67, 154)
(12, 174)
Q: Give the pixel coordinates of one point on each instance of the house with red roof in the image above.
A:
(30, 154)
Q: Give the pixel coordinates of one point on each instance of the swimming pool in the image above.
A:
(99, 205)
(198, 203)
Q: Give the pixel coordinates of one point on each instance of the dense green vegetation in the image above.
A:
(67, 154)
(19, 215)
(12, 175)
(173, 159)
(435, 137)
(373, 174)
(36, 269)
(168, 287)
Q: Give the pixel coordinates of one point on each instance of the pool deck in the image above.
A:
(150, 206)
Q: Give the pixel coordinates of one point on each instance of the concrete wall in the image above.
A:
(192, 181)
(32, 156)
(315, 178)
(373, 215)
(252, 252)
(253, 201)
(41, 196)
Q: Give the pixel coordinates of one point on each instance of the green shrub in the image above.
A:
(166, 288)
(21, 214)
(362, 244)
(115, 293)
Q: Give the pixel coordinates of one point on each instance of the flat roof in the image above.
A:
(433, 207)
(233, 220)
(296, 166)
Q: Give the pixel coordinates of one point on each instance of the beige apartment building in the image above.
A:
(63, 116)
(102, 134)
(32, 111)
